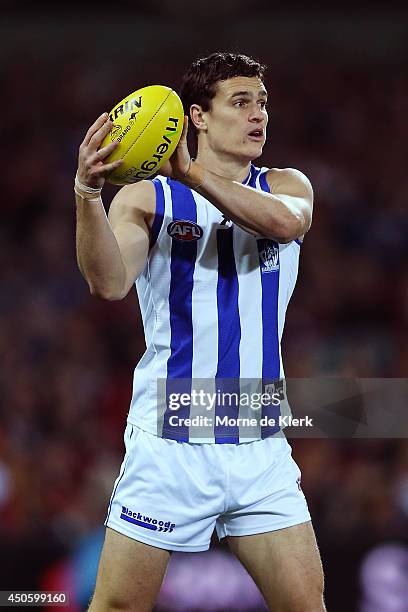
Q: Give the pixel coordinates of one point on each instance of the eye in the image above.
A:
(262, 103)
(240, 103)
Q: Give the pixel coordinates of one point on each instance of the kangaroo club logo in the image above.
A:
(184, 231)
(268, 255)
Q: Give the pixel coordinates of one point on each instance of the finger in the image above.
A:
(100, 134)
(103, 153)
(108, 168)
(94, 127)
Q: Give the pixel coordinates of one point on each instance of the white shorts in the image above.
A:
(171, 494)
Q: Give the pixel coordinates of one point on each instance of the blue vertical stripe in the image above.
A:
(180, 362)
(248, 178)
(159, 214)
(270, 337)
(254, 175)
(264, 183)
(229, 336)
(270, 332)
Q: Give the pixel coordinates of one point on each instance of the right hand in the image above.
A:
(91, 168)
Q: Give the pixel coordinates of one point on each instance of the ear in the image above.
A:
(198, 117)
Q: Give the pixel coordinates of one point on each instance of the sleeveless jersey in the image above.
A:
(213, 300)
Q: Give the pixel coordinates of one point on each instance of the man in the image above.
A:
(213, 308)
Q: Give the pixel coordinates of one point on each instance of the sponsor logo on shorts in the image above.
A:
(185, 231)
(298, 483)
(148, 522)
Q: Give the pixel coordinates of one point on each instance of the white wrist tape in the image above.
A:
(86, 188)
(86, 192)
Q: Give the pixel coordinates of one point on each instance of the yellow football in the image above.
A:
(148, 125)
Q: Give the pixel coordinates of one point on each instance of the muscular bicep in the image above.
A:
(130, 214)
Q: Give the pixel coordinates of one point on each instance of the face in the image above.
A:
(236, 123)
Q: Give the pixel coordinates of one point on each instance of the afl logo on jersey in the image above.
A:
(185, 231)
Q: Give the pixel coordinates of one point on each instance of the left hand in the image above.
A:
(178, 164)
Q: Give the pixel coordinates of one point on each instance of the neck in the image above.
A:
(223, 164)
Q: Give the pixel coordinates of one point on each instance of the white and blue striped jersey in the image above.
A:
(213, 300)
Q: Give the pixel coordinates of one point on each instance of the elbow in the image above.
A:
(290, 228)
(106, 293)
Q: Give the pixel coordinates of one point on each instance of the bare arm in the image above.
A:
(283, 214)
(131, 216)
(111, 251)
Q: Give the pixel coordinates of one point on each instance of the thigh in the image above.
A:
(129, 576)
(286, 566)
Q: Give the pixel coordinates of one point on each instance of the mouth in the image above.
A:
(257, 135)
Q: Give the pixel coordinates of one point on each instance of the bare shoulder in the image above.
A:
(136, 202)
(289, 181)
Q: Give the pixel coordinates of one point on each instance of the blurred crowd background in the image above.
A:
(338, 85)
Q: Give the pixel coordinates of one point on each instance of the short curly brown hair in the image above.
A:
(199, 82)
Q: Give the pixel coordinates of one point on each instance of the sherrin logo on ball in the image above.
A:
(148, 125)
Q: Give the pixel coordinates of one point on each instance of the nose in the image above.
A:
(256, 115)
